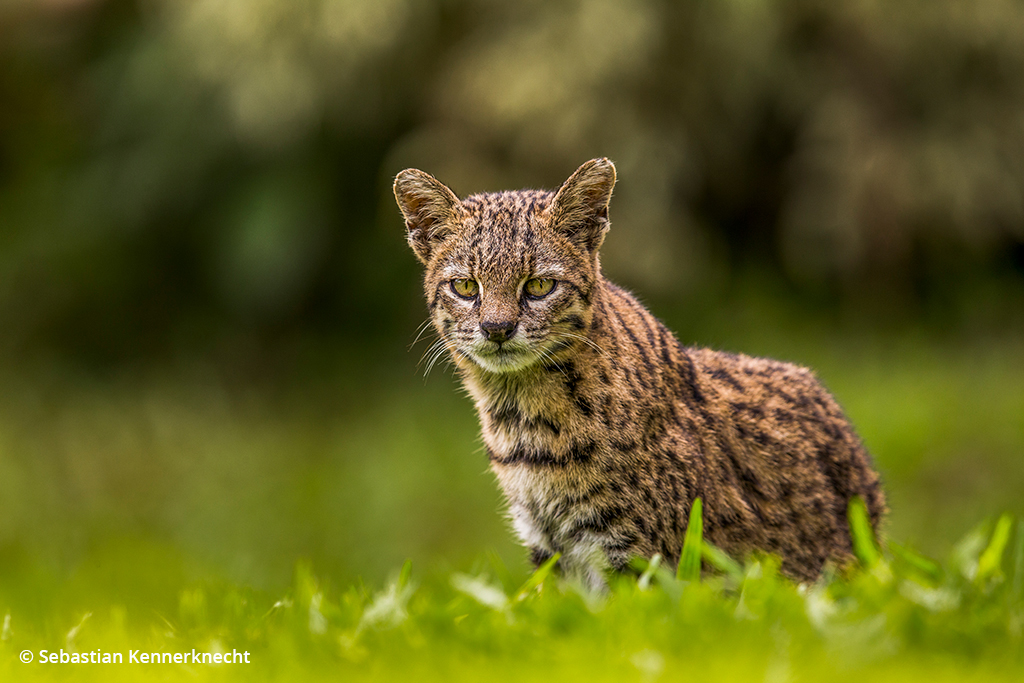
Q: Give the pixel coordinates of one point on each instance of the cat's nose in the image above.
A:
(498, 331)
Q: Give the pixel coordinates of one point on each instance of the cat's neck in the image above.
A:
(529, 385)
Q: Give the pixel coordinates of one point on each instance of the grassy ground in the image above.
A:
(163, 511)
(897, 617)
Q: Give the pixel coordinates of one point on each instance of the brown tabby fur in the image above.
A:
(600, 426)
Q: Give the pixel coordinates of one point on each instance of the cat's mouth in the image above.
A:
(503, 358)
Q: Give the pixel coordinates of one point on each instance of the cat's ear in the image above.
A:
(580, 207)
(429, 209)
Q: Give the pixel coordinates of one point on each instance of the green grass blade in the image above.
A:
(481, 589)
(501, 571)
(991, 559)
(1018, 561)
(537, 578)
(968, 550)
(689, 560)
(721, 561)
(648, 574)
(863, 536)
(405, 575)
(919, 564)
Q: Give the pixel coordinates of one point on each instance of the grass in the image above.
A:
(897, 616)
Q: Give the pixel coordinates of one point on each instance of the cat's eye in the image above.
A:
(539, 287)
(465, 288)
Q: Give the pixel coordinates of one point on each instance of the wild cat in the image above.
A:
(601, 428)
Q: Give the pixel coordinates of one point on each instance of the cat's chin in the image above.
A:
(504, 361)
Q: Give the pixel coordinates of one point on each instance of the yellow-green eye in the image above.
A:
(467, 289)
(539, 286)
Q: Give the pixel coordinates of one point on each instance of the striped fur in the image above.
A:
(600, 426)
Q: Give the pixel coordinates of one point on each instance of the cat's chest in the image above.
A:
(542, 503)
(547, 458)
(555, 514)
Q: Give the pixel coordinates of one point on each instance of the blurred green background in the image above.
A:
(207, 306)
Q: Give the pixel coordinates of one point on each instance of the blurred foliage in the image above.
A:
(173, 172)
(902, 618)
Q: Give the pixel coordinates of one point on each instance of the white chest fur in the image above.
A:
(544, 517)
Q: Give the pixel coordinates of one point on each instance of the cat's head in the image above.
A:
(509, 276)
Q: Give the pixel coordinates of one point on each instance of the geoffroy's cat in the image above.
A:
(600, 426)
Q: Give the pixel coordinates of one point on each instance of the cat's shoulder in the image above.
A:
(757, 379)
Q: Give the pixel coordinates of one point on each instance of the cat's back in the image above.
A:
(761, 441)
(783, 460)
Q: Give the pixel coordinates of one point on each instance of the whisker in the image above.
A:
(420, 330)
(439, 352)
(549, 358)
(441, 349)
(430, 364)
(432, 348)
(586, 340)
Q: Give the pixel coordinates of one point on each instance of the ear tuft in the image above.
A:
(429, 209)
(580, 208)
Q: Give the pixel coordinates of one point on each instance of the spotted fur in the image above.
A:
(600, 426)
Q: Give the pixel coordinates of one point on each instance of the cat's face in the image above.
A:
(509, 276)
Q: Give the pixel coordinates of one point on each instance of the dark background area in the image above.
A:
(207, 303)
